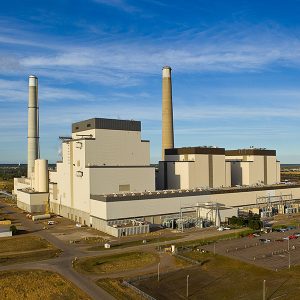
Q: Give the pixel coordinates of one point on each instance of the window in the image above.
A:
(79, 173)
(124, 187)
(88, 125)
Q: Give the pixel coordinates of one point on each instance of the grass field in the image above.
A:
(115, 263)
(25, 248)
(134, 243)
(205, 241)
(23, 243)
(8, 259)
(7, 185)
(290, 176)
(36, 285)
(223, 278)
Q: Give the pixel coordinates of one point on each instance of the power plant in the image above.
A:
(105, 179)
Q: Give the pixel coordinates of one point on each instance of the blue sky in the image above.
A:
(236, 70)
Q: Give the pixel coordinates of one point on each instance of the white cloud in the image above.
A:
(121, 60)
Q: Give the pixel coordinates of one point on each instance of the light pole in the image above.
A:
(158, 271)
(187, 285)
(288, 244)
(289, 260)
(264, 289)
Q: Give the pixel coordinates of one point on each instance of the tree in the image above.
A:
(13, 229)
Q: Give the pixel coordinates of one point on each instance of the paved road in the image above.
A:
(62, 264)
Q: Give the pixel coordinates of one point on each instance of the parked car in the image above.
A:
(297, 234)
(265, 240)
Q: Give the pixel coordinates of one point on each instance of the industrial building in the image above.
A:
(105, 179)
(103, 156)
(253, 166)
(189, 168)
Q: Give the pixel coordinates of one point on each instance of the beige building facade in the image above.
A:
(103, 156)
(253, 167)
(193, 167)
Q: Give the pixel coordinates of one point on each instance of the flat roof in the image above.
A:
(185, 193)
(110, 124)
(195, 150)
(251, 151)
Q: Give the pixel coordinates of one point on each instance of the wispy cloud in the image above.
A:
(17, 91)
(120, 4)
(123, 61)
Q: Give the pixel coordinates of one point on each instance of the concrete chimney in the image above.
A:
(167, 111)
(33, 124)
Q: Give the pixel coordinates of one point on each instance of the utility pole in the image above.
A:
(187, 286)
(264, 289)
(158, 271)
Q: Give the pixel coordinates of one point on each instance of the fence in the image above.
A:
(195, 262)
(137, 290)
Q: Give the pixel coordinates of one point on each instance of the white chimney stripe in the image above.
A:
(32, 81)
(166, 72)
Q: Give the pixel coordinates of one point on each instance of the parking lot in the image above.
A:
(273, 253)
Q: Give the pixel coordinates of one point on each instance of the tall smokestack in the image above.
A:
(167, 111)
(33, 124)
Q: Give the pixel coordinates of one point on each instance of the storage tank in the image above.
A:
(36, 175)
(41, 217)
(43, 176)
